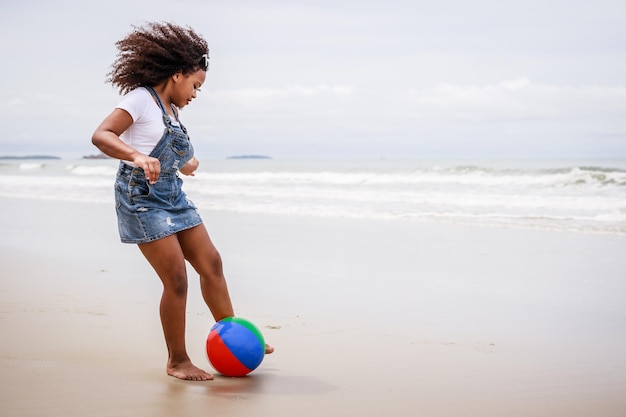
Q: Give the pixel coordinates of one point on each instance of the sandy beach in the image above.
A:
(368, 318)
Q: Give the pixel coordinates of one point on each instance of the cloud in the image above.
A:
(397, 76)
(289, 108)
(261, 96)
(509, 116)
(519, 99)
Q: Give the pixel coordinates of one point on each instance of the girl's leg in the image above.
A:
(204, 257)
(199, 250)
(166, 257)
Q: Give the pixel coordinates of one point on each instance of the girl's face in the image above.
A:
(186, 87)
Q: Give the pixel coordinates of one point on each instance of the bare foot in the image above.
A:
(268, 349)
(188, 371)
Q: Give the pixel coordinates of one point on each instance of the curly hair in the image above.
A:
(154, 52)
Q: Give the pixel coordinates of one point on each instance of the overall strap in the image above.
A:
(156, 97)
(166, 117)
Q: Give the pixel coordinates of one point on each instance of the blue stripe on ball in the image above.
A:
(242, 342)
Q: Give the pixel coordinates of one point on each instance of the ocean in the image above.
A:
(576, 196)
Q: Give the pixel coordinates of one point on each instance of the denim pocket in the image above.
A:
(138, 188)
(181, 147)
(176, 154)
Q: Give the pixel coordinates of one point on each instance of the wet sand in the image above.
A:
(368, 318)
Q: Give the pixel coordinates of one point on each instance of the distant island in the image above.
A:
(97, 156)
(29, 157)
(249, 157)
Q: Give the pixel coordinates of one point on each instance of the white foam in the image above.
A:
(579, 198)
(28, 166)
(96, 170)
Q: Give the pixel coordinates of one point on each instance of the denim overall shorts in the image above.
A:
(147, 212)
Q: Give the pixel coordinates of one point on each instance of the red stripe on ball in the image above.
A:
(222, 359)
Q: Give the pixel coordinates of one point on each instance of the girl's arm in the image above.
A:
(107, 138)
(190, 167)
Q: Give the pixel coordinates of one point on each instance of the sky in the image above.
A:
(336, 79)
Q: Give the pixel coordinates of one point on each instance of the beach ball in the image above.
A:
(235, 346)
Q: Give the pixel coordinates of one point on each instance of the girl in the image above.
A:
(160, 67)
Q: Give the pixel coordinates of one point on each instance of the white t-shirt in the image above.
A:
(147, 128)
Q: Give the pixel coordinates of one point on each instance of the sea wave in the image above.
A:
(580, 197)
(474, 176)
(26, 166)
(93, 170)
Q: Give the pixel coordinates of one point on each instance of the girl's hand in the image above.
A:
(190, 167)
(151, 167)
